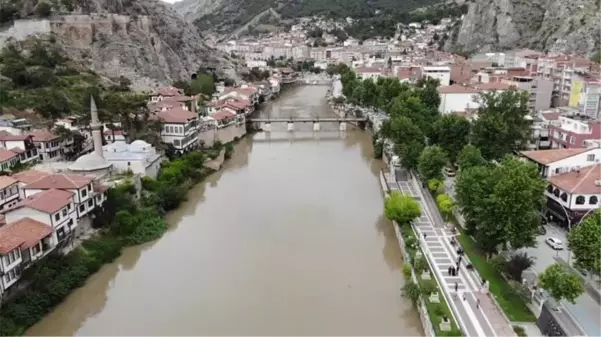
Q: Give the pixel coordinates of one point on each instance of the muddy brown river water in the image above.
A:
(288, 239)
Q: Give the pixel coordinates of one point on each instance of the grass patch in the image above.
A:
(511, 303)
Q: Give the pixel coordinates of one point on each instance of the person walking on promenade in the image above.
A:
(456, 286)
(478, 304)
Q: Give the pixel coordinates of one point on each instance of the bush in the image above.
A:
(411, 291)
(407, 271)
(428, 288)
(519, 331)
(43, 9)
(517, 264)
(229, 150)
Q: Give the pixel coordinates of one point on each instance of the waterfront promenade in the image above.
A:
(477, 314)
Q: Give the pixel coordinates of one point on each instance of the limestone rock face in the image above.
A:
(569, 26)
(144, 40)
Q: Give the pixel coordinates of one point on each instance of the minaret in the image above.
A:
(96, 126)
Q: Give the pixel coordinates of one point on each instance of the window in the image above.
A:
(564, 196)
(69, 206)
(36, 249)
(91, 203)
(57, 216)
(82, 208)
(60, 233)
(84, 193)
(590, 157)
(64, 212)
(579, 200)
(11, 275)
(550, 188)
(572, 139)
(593, 200)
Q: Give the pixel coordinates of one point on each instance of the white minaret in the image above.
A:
(96, 126)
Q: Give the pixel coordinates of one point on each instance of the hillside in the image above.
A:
(143, 40)
(227, 15)
(570, 26)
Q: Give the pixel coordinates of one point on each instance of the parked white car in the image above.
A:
(554, 243)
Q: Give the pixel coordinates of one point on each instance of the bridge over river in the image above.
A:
(288, 239)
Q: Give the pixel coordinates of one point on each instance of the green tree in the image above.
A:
(517, 264)
(585, 242)
(452, 133)
(501, 127)
(401, 208)
(470, 156)
(446, 205)
(428, 92)
(560, 283)
(431, 162)
(408, 139)
(43, 9)
(435, 185)
(203, 84)
(501, 203)
(411, 291)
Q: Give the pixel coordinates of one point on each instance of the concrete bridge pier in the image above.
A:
(267, 127)
(290, 126)
(316, 126)
(342, 126)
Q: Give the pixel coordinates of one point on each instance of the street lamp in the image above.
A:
(570, 225)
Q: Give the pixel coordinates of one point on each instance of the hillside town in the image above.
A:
(55, 178)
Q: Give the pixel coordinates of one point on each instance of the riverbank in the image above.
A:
(132, 214)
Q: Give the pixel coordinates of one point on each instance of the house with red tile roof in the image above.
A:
(8, 159)
(180, 128)
(22, 242)
(20, 144)
(85, 197)
(244, 92)
(165, 92)
(574, 195)
(9, 192)
(50, 146)
(553, 162)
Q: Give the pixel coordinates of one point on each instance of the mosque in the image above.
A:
(138, 157)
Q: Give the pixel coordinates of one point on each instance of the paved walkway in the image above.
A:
(477, 314)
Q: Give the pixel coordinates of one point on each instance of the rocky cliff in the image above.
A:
(570, 26)
(144, 40)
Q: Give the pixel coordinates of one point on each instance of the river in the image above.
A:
(288, 239)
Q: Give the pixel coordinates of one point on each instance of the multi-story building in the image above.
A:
(441, 73)
(572, 131)
(86, 195)
(50, 146)
(21, 144)
(458, 98)
(540, 90)
(8, 159)
(180, 128)
(9, 192)
(574, 189)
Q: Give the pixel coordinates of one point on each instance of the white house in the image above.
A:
(163, 93)
(21, 242)
(9, 192)
(180, 128)
(50, 146)
(558, 161)
(244, 92)
(138, 157)
(457, 98)
(86, 195)
(8, 159)
(21, 144)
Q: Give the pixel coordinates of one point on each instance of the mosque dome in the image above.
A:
(140, 145)
(116, 147)
(89, 162)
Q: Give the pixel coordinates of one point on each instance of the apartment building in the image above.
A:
(540, 90)
(572, 131)
(441, 73)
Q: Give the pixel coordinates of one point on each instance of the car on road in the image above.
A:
(554, 243)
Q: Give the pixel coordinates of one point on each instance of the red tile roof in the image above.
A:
(25, 232)
(16, 150)
(48, 201)
(584, 181)
(456, 89)
(169, 91)
(109, 132)
(99, 188)
(176, 116)
(7, 136)
(42, 135)
(550, 156)
(223, 114)
(60, 181)
(6, 155)
(551, 116)
(29, 176)
(6, 181)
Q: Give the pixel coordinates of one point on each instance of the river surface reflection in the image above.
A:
(288, 239)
